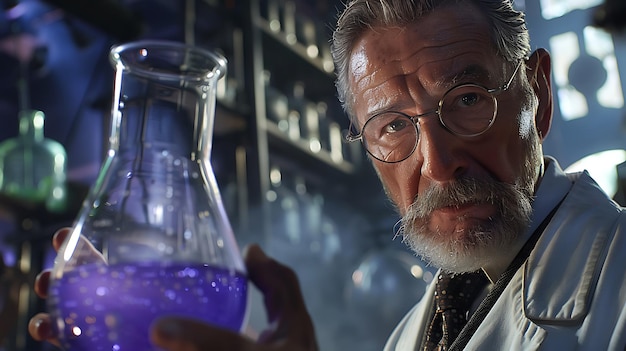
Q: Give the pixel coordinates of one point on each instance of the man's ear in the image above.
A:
(538, 69)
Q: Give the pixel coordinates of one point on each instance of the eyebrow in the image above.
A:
(473, 73)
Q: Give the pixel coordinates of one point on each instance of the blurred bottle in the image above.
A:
(306, 32)
(384, 286)
(32, 167)
(285, 213)
(311, 126)
(335, 142)
(289, 22)
(304, 115)
(276, 104)
(270, 11)
(297, 104)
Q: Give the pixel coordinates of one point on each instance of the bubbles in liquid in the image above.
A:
(103, 306)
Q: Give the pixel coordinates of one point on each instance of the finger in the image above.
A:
(278, 283)
(59, 237)
(42, 282)
(283, 299)
(84, 252)
(40, 328)
(177, 334)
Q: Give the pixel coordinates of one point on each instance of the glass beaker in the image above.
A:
(153, 237)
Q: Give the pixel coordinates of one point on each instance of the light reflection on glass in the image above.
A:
(417, 271)
(156, 215)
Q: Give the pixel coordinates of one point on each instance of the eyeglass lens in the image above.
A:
(467, 110)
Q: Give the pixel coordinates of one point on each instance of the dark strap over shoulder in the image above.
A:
(491, 298)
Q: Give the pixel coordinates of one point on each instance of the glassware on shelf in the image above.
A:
(271, 11)
(33, 167)
(276, 103)
(311, 126)
(306, 32)
(152, 238)
(288, 22)
(383, 272)
(293, 126)
(284, 211)
(296, 102)
(335, 142)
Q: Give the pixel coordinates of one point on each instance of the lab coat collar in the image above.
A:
(556, 255)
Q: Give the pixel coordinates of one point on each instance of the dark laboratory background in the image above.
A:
(288, 180)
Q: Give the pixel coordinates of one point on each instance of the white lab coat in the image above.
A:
(569, 295)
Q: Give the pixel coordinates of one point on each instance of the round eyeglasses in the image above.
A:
(466, 110)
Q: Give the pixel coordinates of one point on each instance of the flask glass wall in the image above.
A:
(153, 237)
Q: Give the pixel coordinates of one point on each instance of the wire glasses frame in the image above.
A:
(466, 110)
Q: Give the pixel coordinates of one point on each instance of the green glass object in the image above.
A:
(32, 167)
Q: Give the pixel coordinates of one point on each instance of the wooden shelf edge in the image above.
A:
(301, 146)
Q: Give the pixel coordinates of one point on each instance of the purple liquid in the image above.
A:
(111, 308)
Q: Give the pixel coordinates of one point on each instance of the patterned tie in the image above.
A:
(454, 295)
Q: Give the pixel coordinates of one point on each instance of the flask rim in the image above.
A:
(120, 58)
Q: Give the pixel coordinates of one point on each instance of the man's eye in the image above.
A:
(396, 126)
(470, 99)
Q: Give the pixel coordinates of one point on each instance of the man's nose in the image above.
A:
(442, 154)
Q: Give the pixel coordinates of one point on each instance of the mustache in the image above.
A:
(464, 191)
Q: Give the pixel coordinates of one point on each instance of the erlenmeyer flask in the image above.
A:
(153, 237)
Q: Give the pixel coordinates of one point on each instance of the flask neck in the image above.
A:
(31, 125)
(162, 116)
(164, 98)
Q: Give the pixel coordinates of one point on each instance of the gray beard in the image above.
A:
(487, 242)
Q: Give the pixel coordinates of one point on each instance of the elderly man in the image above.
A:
(452, 107)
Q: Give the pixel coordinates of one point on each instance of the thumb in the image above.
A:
(286, 309)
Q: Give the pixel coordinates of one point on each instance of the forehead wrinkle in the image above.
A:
(407, 80)
(393, 87)
(395, 69)
(440, 42)
(473, 73)
(375, 63)
(364, 79)
(469, 73)
(441, 53)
